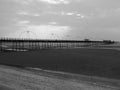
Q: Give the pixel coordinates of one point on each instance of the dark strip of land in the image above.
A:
(5, 88)
(93, 62)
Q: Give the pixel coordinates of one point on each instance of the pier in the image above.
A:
(37, 44)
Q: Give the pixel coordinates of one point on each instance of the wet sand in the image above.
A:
(28, 79)
(5, 88)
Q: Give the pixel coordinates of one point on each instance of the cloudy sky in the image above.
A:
(60, 19)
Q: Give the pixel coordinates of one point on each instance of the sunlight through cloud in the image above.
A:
(56, 1)
(50, 31)
(44, 31)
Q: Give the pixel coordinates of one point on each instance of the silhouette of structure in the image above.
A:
(12, 44)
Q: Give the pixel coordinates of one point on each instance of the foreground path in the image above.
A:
(20, 79)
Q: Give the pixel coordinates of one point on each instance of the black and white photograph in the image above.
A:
(59, 44)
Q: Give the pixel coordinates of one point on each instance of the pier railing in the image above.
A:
(8, 44)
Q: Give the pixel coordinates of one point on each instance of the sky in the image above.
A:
(60, 19)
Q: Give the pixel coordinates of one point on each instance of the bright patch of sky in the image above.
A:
(56, 1)
(42, 31)
(78, 19)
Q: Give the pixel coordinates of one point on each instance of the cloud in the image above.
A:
(53, 23)
(91, 16)
(66, 13)
(105, 13)
(23, 23)
(25, 13)
(56, 1)
(25, 2)
(36, 15)
(69, 13)
(53, 2)
(22, 13)
(81, 16)
(43, 32)
(75, 14)
(50, 31)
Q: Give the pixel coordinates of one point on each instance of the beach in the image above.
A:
(60, 69)
(5, 88)
(26, 79)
